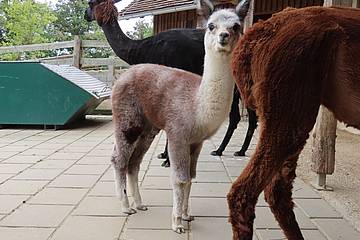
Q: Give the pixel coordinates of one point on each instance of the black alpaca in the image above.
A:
(186, 44)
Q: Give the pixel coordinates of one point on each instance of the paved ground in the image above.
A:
(58, 185)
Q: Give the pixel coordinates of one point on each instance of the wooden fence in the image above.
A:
(104, 69)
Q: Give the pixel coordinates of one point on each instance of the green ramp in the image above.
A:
(33, 93)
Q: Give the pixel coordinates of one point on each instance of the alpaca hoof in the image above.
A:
(188, 218)
(179, 229)
(166, 164)
(239, 153)
(162, 156)
(142, 208)
(129, 211)
(216, 153)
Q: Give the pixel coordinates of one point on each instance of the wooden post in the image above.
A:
(77, 52)
(111, 71)
(324, 136)
(323, 147)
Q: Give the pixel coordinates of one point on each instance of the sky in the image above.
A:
(126, 25)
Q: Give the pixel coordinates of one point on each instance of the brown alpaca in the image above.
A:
(285, 68)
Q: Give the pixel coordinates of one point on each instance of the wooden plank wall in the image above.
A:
(268, 7)
(184, 19)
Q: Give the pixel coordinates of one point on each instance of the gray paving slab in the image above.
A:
(90, 228)
(22, 233)
(266, 220)
(22, 187)
(146, 234)
(317, 208)
(38, 174)
(203, 228)
(337, 229)
(209, 207)
(210, 190)
(74, 181)
(273, 234)
(153, 218)
(78, 169)
(9, 203)
(4, 177)
(37, 216)
(81, 202)
(99, 206)
(58, 196)
(212, 177)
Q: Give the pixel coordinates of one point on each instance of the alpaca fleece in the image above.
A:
(285, 68)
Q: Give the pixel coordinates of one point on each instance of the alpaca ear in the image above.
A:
(116, 1)
(208, 5)
(242, 8)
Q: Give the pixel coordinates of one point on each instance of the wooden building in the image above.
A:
(185, 13)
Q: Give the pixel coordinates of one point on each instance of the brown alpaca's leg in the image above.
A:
(263, 166)
(279, 196)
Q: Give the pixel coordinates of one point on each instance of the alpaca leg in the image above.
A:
(166, 163)
(250, 132)
(120, 162)
(178, 197)
(180, 174)
(279, 196)
(164, 154)
(234, 119)
(195, 150)
(276, 145)
(143, 145)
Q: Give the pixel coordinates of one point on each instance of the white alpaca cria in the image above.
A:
(150, 97)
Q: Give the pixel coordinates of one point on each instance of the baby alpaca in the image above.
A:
(189, 108)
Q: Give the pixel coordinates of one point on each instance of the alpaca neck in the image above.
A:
(118, 41)
(215, 92)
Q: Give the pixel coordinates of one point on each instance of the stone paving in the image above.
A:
(58, 185)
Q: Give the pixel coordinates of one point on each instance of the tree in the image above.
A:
(3, 4)
(142, 29)
(70, 21)
(27, 22)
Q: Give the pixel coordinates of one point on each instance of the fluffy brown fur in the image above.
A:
(285, 68)
(105, 12)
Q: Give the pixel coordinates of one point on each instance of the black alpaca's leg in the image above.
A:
(250, 132)
(234, 119)
(164, 154)
(165, 163)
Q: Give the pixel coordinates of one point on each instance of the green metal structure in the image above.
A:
(34, 93)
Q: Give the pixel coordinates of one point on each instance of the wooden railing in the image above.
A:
(104, 69)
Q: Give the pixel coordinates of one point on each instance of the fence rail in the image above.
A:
(113, 64)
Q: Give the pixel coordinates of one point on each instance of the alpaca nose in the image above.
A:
(223, 38)
(224, 35)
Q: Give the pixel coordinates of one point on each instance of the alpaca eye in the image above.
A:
(211, 26)
(236, 27)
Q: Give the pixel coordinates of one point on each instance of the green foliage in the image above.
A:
(24, 22)
(27, 22)
(142, 29)
(70, 21)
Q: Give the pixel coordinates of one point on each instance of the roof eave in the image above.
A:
(157, 12)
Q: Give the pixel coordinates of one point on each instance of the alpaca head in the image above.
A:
(101, 10)
(224, 28)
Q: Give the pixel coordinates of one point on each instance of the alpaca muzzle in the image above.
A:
(224, 38)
